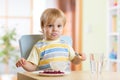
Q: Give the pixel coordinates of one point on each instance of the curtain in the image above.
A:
(69, 8)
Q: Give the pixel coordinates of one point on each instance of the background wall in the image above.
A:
(94, 28)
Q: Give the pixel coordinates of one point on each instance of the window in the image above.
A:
(16, 14)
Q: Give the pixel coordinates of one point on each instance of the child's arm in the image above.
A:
(28, 66)
(78, 58)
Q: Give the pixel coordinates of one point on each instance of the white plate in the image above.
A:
(45, 74)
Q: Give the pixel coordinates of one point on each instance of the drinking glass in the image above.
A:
(96, 65)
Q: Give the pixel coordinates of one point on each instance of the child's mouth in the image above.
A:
(54, 34)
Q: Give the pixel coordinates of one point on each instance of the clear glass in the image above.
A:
(96, 65)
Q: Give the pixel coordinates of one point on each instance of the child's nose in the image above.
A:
(55, 28)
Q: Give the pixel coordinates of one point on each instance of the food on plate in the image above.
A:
(51, 71)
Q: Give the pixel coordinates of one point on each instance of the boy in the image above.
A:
(51, 49)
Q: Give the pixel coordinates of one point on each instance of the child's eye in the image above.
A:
(59, 26)
(50, 25)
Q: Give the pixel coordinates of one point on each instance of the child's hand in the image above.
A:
(83, 57)
(28, 66)
(78, 58)
(21, 62)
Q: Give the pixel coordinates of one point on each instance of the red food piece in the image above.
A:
(52, 72)
(115, 4)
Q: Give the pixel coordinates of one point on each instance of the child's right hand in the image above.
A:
(21, 62)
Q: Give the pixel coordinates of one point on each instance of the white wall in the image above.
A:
(94, 28)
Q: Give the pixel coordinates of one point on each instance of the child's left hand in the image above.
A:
(82, 57)
(78, 58)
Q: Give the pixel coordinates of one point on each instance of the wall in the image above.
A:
(94, 28)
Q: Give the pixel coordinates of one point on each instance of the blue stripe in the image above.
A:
(53, 50)
(43, 67)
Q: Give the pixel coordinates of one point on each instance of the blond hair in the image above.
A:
(50, 15)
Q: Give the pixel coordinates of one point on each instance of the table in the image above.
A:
(74, 75)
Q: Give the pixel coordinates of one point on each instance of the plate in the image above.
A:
(44, 74)
(58, 74)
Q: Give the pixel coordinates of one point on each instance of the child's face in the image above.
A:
(53, 30)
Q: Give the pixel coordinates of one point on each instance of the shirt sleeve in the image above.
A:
(71, 53)
(33, 57)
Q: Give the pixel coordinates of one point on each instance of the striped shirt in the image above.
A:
(45, 54)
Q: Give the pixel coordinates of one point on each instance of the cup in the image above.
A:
(96, 65)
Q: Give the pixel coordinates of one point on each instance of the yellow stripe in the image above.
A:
(53, 59)
(53, 46)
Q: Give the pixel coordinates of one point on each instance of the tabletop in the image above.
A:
(74, 75)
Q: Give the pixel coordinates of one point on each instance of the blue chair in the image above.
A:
(26, 42)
